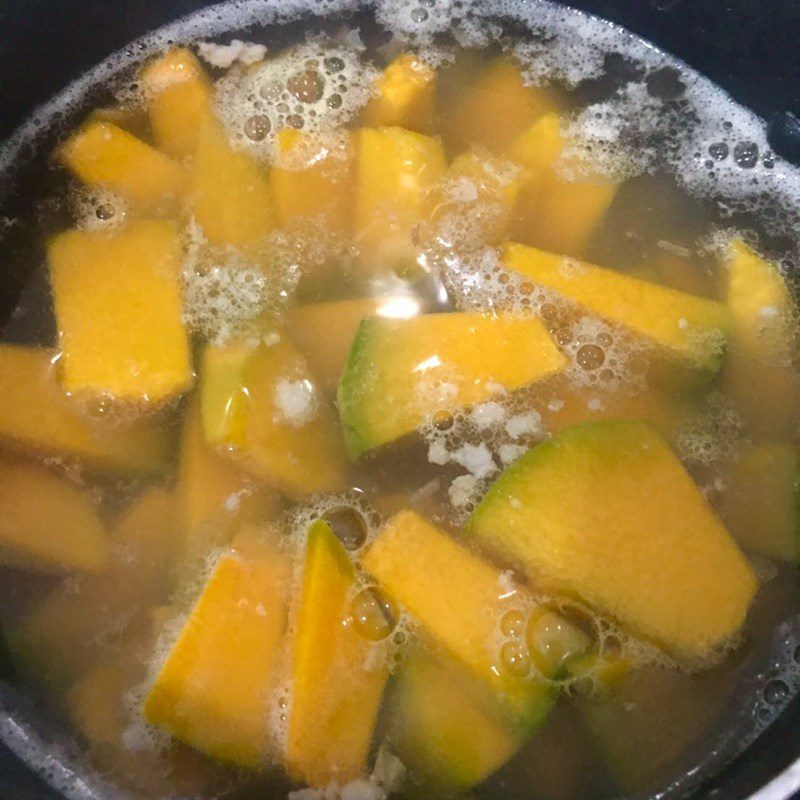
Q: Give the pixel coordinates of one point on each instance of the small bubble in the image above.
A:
(334, 101)
(769, 160)
(104, 212)
(442, 420)
(373, 615)
(419, 15)
(513, 623)
(718, 151)
(745, 154)
(282, 108)
(334, 64)
(775, 692)
(590, 356)
(257, 127)
(605, 339)
(307, 86)
(549, 312)
(526, 288)
(515, 659)
(563, 336)
(348, 525)
(295, 121)
(99, 406)
(607, 374)
(399, 638)
(271, 91)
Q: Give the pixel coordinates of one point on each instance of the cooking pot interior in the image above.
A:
(749, 48)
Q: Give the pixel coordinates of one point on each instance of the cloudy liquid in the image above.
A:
(694, 173)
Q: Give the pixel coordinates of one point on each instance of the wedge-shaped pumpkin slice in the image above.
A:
(395, 169)
(37, 417)
(213, 691)
(117, 299)
(461, 610)
(690, 328)
(178, 95)
(216, 496)
(643, 731)
(479, 190)
(495, 109)
(406, 95)
(74, 627)
(104, 155)
(312, 178)
(324, 332)
(336, 685)
(401, 372)
(229, 193)
(759, 374)
(561, 403)
(554, 213)
(760, 502)
(47, 524)
(572, 514)
(447, 728)
(265, 408)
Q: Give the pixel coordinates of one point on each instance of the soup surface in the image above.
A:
(404, 405)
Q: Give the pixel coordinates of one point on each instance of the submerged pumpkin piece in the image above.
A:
(336, 686)
(401, 372)
(759, 371)
(47, 524)
(688, 328)
(570, 513)
(37, 417)
(324, 332)
(760, 501)
(495, 109)
(263, 405)
(117, 297)
(311, 179)
(229, 193)
(478, 189)
(460, 610)
(212, 692)
(446, 726)
(395, 169)
(75, 626)
(554, 213)
(406, 96)
(104, 155)
(216, 496)
(178, 96)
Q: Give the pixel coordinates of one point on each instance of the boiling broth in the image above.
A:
(392, 195)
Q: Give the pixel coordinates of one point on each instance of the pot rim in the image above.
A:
(782, 787)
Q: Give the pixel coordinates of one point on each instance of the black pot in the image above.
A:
(749, 47)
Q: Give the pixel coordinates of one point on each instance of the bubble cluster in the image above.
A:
(316, 88)
(224, 291)
(712, 435)
(97, 209)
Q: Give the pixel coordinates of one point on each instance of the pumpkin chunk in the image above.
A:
(336, 690)
(46, 524)
(571, 513)
(118, 305)
(102, 154)
(401, 372)
(212, 692)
